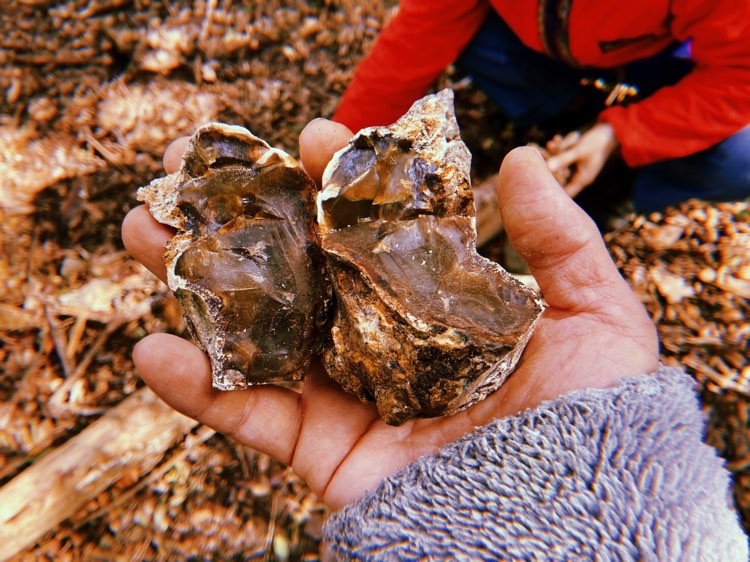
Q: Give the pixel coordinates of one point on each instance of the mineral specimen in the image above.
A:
(246, 263)
(423, 325)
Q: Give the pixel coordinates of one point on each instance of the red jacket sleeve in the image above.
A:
(423, 38)
(707, 106)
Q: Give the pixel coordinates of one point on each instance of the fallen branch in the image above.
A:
(131, 436)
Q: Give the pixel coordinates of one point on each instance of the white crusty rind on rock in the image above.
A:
(161, 194)
(424, 358)
(162, 197)
(376, 333)
(432, 127)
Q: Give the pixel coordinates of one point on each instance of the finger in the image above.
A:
(557, 239)
(570, 140)
(266, 418)
(145, 238)
(562, 160)
(173, 154)
(324, 441)
(318, 142)
(574, 186)
(553, 145)
(582, 178)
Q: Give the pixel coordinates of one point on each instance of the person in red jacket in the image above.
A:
(676, 76)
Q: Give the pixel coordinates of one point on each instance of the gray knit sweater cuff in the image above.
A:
(615, 474)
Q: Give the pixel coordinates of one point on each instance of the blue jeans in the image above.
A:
(530, 87)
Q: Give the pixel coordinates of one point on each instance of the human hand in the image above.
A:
(588, 152)
(593, 333)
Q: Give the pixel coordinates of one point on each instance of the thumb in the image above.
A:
(318, 142)
(558, 240)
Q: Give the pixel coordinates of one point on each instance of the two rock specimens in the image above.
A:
(378, 274)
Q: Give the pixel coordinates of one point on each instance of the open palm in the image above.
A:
(593, 333)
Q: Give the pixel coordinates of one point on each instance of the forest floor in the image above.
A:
(91, 92)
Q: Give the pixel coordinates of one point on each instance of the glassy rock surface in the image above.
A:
(424, 326)
(246, 262)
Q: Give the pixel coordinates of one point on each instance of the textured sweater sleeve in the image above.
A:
(616, 474)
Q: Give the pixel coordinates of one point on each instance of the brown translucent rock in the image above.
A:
(423, 326)
(245, 263)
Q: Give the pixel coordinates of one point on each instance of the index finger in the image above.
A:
(142, 235)
(563, 159)
(173, 154)
(145, 239)
(318, 142)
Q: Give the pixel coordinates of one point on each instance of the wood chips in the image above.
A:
(691, 268)
(91, 92)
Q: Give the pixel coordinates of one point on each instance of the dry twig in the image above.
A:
(132, 436)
